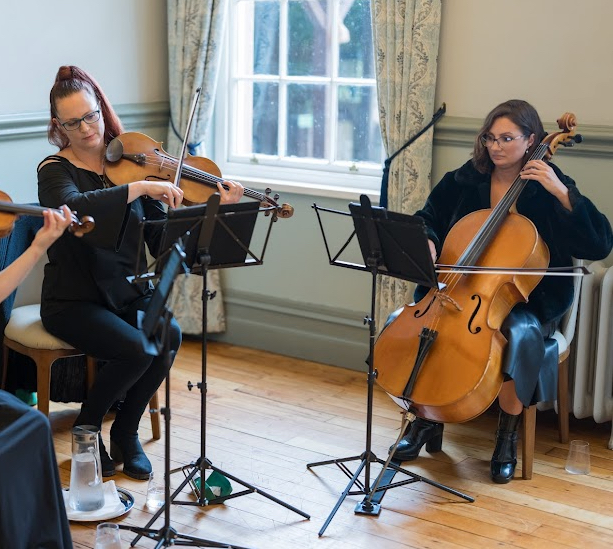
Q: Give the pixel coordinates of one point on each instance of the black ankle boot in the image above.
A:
(108, 465)
(420, 432)
(126, 449)
(504, 460)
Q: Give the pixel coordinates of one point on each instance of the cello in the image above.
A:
(441, 357)
(134, 156)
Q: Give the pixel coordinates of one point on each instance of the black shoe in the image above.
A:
(504, 459)
(126, 449)
(420, 432)
(108, 465)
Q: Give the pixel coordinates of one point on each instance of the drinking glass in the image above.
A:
(155, 491)
(578, 461)
(107, 536)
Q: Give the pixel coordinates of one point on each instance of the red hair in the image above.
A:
(69, 80)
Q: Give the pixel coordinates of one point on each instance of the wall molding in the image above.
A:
(294, 328)
(33, 125)
(460, 132)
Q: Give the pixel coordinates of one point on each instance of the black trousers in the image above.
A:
(128, 370)
(531, 356)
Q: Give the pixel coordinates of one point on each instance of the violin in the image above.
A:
(134, 156)
(10, 211)
(442, 357)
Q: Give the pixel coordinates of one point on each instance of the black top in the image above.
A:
(583, 233)
(94, 267)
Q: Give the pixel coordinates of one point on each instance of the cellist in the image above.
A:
(568, 222)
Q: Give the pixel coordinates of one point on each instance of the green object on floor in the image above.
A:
(28, 397)
(215, 486)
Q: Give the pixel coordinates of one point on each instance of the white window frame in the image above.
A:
(303, 176)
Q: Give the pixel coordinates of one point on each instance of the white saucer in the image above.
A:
(79, 516)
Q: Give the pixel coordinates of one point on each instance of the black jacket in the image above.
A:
(583, 233)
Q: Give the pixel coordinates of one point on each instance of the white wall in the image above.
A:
(122, 43)
(556, 54)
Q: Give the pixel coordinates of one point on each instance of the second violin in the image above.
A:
(134, 156)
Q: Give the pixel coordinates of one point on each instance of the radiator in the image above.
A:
(592, 381)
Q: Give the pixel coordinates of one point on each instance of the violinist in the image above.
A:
(86, 299)
(570, 225)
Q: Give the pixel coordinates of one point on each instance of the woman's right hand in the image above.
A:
(159, 190)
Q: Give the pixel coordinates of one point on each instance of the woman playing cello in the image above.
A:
(86, 299)
(566, 221)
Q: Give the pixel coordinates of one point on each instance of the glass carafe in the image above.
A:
(86, 490)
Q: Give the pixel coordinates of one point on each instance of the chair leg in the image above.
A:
(43, 385)
(528, 436)
(563, 404)
(154, 411)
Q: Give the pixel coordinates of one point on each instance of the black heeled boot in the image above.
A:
(420, 432)
(504, 459)
(126, 449)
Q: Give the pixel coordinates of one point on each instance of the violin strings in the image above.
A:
(202, 176)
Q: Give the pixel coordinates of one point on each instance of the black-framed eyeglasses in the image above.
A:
(75, 123)
(488, 140)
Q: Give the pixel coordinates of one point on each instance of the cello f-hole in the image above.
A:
(472, 317)
(419, 313)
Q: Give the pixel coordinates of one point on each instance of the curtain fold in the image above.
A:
(195, 33)
(406, 38)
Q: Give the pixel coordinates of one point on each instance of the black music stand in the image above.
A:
(396, 245)
(215, 237)
(154, 324)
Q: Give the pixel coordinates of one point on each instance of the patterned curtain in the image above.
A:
(195, 31)
(406, 36)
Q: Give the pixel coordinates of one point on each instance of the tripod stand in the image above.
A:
(155, 324)
(223, 241)
(380, 241)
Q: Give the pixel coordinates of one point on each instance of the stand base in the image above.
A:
(168, 536)
(200, 466)
(371, 504)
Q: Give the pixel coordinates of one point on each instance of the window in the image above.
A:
(301, 94)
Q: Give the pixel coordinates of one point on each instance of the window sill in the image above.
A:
(282, 187)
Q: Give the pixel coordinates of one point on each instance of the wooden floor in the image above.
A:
(269, 415)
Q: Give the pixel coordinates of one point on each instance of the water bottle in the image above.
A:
(86, 490)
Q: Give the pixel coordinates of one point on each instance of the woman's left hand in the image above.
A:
(233, 194)
(540, 171)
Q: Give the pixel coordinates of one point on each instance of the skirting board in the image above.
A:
(306, 331)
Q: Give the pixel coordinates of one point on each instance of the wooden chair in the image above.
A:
(564, 336)
(26, 335)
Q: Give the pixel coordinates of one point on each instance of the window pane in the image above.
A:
(358, 135)
(307, 23)
(266, 38)
(355, 40)
(257, 118)
(306, 120)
